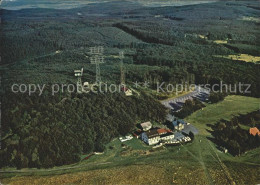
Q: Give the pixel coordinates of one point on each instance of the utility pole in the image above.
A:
(97, 58)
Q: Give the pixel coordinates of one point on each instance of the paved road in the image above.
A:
(175, 104)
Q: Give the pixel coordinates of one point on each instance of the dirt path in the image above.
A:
(50, 170)
(210, 180)
(223, 166)
(201, 161)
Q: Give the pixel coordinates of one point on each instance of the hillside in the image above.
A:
(46, 133)
(199, 162)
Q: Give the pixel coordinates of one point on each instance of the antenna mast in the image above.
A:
(79, 74)
(97, 58)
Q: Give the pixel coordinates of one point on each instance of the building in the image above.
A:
(137, 133)
(190, 129)
(162, 131)
(170, 117)
(128, 92)
(167, 136)
(177, 139)
(126, 138)
(146, 126)
(154, 136)
(254, 131)
(151, 137)
(179, 136)
(179, 124)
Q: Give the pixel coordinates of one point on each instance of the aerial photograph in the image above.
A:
(129, 92)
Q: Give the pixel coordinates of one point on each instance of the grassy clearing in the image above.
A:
(241, 57)
(220, 41)
(231, 106)
(251, 19)
(202, 36)
(214, 41)
(193, 163)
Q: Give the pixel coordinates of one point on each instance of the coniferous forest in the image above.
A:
(53, 131)
(229, 134)
(176, 45)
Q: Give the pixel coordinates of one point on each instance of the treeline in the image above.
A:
(142, 36)
(188, 108)
(251, 119)
(230, 135)
(217, 97)
(174, 18)
(196, 65)
(50, 130)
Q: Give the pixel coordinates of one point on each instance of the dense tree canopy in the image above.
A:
(237, 140)
(47, 131)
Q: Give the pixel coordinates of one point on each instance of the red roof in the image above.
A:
(137, 133)
(88, 156)
(124, 89)
(254, 131)
(162, 131)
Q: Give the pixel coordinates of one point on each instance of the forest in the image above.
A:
(217, 97)
(237, 140)
(54, 130)
(189, 107)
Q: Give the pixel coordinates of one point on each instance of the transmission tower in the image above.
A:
(122, 69)
(97, 58)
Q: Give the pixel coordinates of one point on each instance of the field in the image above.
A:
(195, 163)
(243, 57)
(232, 106)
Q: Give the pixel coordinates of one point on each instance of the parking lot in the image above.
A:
(176, 104)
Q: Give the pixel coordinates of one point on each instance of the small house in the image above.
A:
(126, 138)
(146, 126)
(137, 133)
(128, 92)
(254, 131)
(178, 124)
(151, 137)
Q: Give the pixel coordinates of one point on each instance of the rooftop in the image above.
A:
(152, 133)
(146, 124)
(190, 128)
(177, 122)
(166, 134)
(162, 131)
(254, 131)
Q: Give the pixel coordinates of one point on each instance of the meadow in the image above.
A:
(230, 107)
(243, 57)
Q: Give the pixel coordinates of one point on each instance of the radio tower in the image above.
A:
(97, 58)
(122, 78)
(79, 74)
